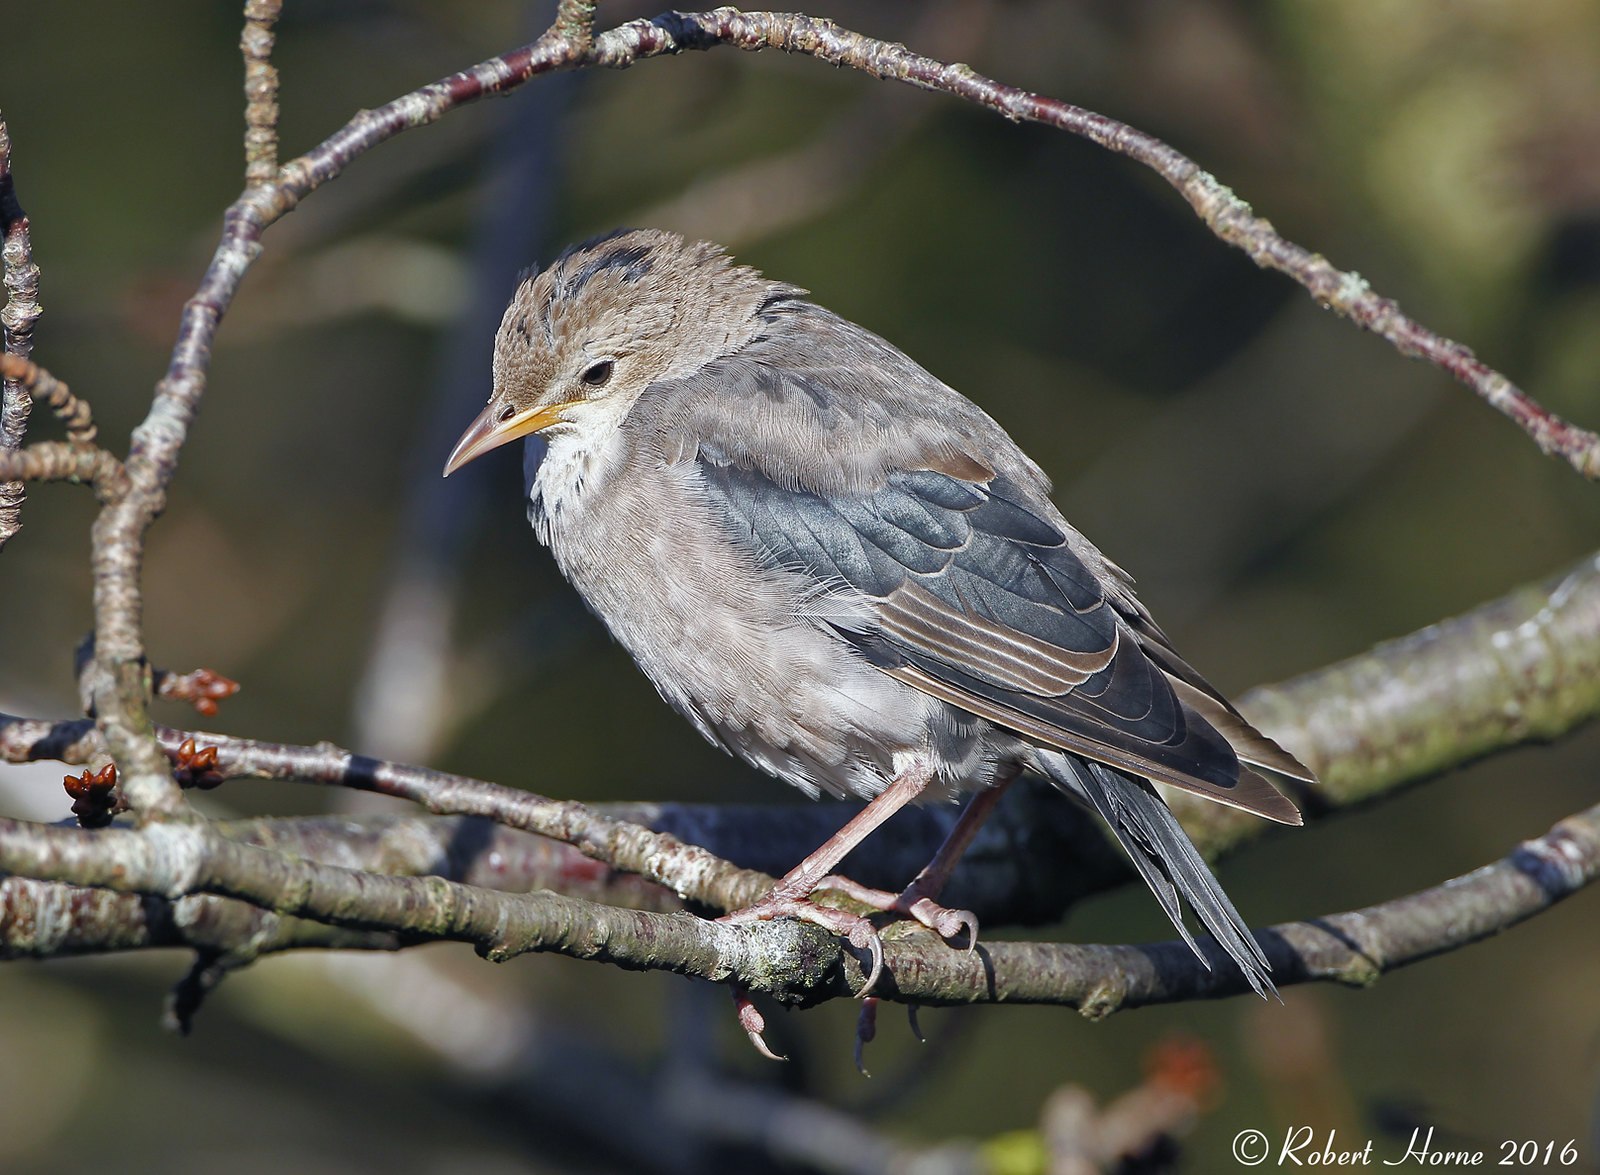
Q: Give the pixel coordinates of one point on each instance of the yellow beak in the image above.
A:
(488, 431)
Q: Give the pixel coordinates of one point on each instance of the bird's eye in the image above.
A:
(507, 413)
(596, 374)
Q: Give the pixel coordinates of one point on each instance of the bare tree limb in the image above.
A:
(21, 311)
(1229, 217)
(1520, 669)
(42, 919)
(797, 963)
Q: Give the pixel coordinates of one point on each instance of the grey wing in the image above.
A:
(977, 598)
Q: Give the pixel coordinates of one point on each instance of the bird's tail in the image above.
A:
(1164, 856)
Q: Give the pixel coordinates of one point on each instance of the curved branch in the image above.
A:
(1227, 216)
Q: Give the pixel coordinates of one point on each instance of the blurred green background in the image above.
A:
(1287, 491)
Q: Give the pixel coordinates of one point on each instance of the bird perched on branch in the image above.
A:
(843, 571)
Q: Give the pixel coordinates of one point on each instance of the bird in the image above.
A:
(843, 571)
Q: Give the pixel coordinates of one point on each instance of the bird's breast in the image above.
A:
(736, 645)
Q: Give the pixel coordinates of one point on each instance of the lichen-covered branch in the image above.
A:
(21, 311)
(42, 919)
(1523, 668)
(798, 963)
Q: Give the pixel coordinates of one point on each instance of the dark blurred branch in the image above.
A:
(21, 311)
(418, 685)
(260, 91)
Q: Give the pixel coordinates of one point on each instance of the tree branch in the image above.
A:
(260, 91)
(1404, 711)
(798, 963)
(1229, 217)
(21, 311)
(44, 919)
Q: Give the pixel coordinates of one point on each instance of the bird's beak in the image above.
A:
(488, 431)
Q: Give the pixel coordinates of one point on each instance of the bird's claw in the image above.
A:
(866, 1029)
(853, 928)
(944, 921)
(916, 1028)
(754, 1024)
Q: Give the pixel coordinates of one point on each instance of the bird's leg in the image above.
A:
(791, 896)
(919, 899)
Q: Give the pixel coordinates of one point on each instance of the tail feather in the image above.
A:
(1164, 857)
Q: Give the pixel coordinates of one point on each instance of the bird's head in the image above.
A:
(582, 340)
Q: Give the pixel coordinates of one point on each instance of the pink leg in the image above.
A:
(905, 787)
(790, 897)
(918, 900)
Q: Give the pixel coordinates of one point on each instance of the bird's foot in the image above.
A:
(912, 903)
(753, 1023)
(853, 928)
(867, 1029)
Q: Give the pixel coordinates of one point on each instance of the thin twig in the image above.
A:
(42, 387)
(118, 679)
(1229, 217)
(63, 461)
(21, 311)
(260, 91)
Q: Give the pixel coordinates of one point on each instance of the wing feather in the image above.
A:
(973, 588)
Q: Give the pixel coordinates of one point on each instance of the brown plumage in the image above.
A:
(845, 572)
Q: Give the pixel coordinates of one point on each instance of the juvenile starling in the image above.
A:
(844, 572)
